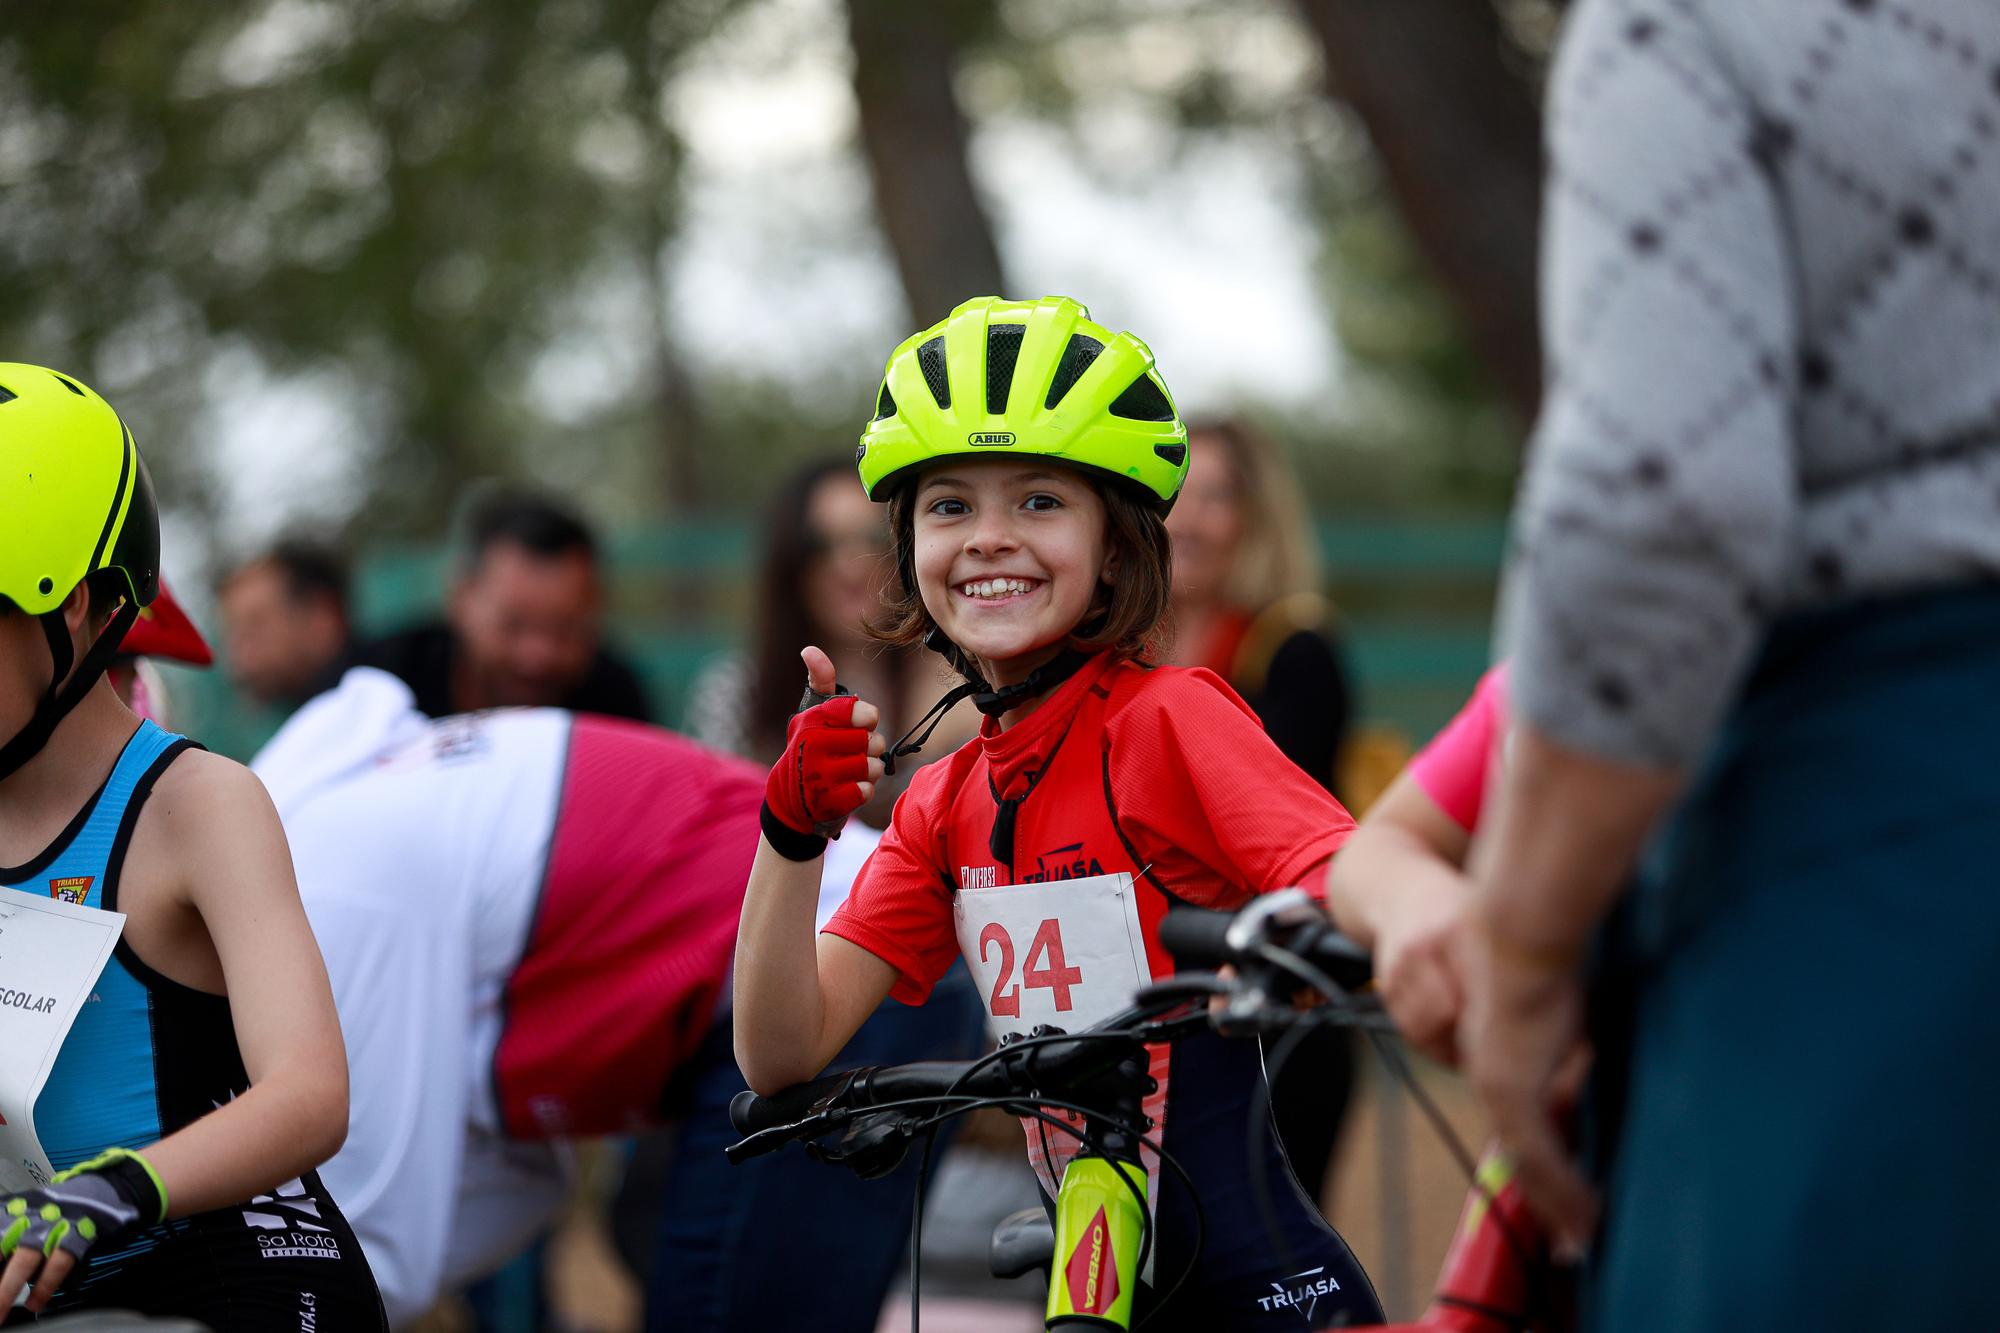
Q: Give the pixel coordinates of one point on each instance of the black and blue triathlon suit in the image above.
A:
(148, 1056)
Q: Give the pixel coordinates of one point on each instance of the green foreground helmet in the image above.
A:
(1025, 377)
(75, 496)
(75, 500)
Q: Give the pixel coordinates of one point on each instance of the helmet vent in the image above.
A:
(71, 385)
(931, 357)
(7, 395)
(1143, 401)
(885, 406)
(1175, 454)
(1003, 349)
(1076, 359)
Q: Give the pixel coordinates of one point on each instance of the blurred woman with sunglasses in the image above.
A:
(825, 562)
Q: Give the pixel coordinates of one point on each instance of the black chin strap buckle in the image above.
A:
(989, 701)
(927, 724)
(1040, 681)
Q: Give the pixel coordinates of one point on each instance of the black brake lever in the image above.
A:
(872, 1147)
(776, 1137)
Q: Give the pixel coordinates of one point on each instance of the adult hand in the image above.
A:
(1520, 1040)
(1417, 961)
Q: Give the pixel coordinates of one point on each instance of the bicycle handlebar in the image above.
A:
(1048, 1064)
(1053, 1063)
(1201, 938)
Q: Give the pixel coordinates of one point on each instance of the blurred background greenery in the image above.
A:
(340, 258)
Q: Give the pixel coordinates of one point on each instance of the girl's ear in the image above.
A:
(76, 608)
(1109, 574)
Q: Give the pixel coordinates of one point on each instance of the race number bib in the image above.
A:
(1066, 954)
(51, 954)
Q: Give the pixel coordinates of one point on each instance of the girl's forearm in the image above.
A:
(779, 1010)
(1383, 868)
(291, 1121)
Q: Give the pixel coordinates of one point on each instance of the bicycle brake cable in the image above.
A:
(1393, 1059)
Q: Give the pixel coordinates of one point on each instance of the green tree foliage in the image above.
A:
(415, 201)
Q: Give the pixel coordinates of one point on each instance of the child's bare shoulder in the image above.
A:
(209, 803)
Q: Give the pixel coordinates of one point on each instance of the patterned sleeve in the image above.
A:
(1651, 534)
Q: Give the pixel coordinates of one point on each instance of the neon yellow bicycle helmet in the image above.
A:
(1025, 377)
(75, 501)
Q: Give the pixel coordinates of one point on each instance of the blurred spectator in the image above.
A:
(1246, 599)
(284, 620)
(825, 565)
(523, 622)
(1246, 605)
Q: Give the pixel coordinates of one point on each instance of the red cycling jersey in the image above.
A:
(1133, 788)
(1162, 772)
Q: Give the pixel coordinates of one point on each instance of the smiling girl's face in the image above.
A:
(1009, 557)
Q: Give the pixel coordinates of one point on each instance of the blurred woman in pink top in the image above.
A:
(1410, 854)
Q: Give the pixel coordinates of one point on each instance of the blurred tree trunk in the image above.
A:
(1456, 126)
(914, 136)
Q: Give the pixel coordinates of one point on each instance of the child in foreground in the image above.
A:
(205, 1077)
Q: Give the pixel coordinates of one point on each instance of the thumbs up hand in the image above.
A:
(831, 763)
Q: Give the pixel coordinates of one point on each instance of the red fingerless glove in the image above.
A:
(816, 783)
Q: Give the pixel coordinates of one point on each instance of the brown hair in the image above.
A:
(1276, 555)
(1127, 618)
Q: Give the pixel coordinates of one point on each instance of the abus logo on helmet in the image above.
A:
(990, 439)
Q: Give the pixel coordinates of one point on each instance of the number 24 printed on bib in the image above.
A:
(1064, 954)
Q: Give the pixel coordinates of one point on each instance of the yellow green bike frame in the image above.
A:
(1100, 1223)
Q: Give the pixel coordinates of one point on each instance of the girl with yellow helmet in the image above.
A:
(167, 1164)
(1027, 455)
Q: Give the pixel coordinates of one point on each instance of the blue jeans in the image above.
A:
(783, 1241)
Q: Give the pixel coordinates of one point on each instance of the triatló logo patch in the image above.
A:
(72, 888)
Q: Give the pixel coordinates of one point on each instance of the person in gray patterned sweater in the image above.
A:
(1743, 841)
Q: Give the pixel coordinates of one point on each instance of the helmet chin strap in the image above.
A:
(985, 698)
(58, 699)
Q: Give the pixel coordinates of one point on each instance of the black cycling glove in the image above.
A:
(99, 1202)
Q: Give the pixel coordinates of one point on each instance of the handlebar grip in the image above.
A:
(749, 1113)
(1196, 937)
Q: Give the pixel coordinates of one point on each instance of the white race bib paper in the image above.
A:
(1066, 954)
(51, 954)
